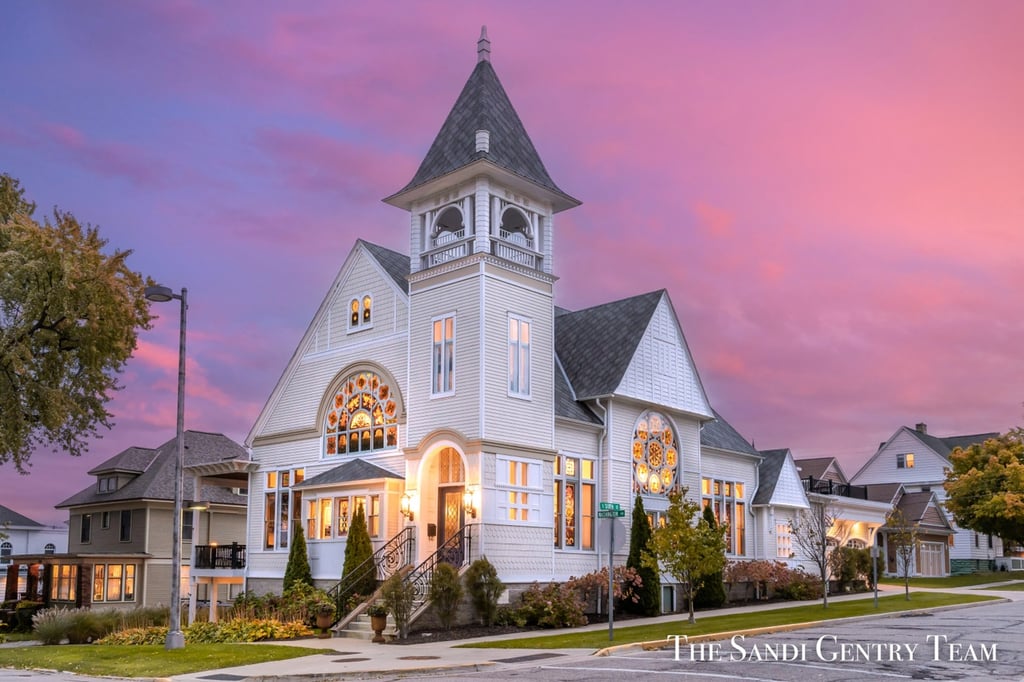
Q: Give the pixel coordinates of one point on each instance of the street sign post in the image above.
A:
(611, 510)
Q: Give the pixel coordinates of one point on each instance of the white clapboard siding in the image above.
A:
(506, 418)
(929, 466)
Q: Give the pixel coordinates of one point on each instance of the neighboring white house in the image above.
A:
(21, 535)
(919, 462)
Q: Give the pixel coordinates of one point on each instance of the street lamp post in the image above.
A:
(175, 638)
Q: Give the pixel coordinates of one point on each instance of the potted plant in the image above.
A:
(325, 611)
(378, 621)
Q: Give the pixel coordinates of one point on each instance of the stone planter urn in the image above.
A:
(378, 621)
(324, 620)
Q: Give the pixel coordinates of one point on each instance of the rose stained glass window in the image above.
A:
(362, 417)
(655, 455)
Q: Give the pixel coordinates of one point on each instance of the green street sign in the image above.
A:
(605, 506)
(610, 513)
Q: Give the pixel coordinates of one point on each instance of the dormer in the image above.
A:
(482, 188)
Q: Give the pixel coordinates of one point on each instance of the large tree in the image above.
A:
(985, 486)
(69, 319)
(686, 546)
(649, 597)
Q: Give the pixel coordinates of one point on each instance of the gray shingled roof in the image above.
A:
(350, 471)
(12, 519)
(156, 482)
(596, 345)
(483, 105)
(131, 460)
(945, 446)
(768, 474)
(566, 404)
(882, 492)
(914, 505)
(396, 264)
(814, 466)
(721, 435)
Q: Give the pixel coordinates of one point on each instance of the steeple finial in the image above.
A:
(483, 46)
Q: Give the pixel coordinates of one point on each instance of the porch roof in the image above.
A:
(349, 472)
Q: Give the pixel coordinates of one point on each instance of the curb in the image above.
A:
(657, 644)
(362, 674)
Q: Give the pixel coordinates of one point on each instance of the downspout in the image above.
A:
(601, 441)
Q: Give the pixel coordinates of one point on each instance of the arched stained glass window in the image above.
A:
(655, 455)
(362, 417)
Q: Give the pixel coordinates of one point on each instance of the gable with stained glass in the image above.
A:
(362, 417)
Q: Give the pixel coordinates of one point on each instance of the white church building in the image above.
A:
(445, 392)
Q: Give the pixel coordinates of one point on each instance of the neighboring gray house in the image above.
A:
(120, 528)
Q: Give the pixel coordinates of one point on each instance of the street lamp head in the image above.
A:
(159, 294)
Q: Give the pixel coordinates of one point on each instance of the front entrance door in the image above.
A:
(450, 516)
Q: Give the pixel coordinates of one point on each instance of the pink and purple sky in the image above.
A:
(832, 193)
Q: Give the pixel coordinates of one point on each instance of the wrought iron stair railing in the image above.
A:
(394, 555)
(456, 550)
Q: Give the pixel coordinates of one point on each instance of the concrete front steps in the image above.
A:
(359, 628)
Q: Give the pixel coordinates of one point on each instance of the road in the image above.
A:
(971, 644)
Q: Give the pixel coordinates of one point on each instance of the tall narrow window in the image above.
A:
(126, 525)
(727, 502)
(574, 503)
(905, 461)
(282, 507)
(518, 356)
(443, 355)
(360, 313)
(86, 535)
(6, 550)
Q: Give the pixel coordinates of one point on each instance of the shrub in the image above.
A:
(589, 588)
(648, 597)
(51, 625)
(484, 588)
(358, 549)
(203, 632)
(796, 584)
(398, 597)
(83, 627)
(446, 593)
(137, 636)
(297, 570)
(302, 602)
(509, 615)
(554, 606)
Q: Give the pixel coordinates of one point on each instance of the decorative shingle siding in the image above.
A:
(661, 370)
(520, 553)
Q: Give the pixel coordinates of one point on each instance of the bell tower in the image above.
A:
(481, 225)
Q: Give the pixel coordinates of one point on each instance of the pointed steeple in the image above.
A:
(483, 125)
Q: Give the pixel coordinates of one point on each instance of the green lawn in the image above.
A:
(739, 621)
(148, 660)
(952, 581)
(1017, 586)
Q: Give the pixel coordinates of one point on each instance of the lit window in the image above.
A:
(518, 482)
(360, 313)
(518, 357)
(362, 418)
(783, 541)
(113, 582)
(655, 455)
(65, 580)
(727, 503)
(282, 507)
(443, 356)
(574, 503)
(905, 461)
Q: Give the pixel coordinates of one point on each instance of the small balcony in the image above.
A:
(827, 487)
(219, 557)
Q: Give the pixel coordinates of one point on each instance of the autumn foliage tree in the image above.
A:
(902, 536)
(686, 547)
(985, 486)
(69, 319)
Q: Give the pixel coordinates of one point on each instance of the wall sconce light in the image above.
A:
(467, 502)
(196, 505)
(405, 507)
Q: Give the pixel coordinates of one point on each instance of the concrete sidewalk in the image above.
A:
(341, 658)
